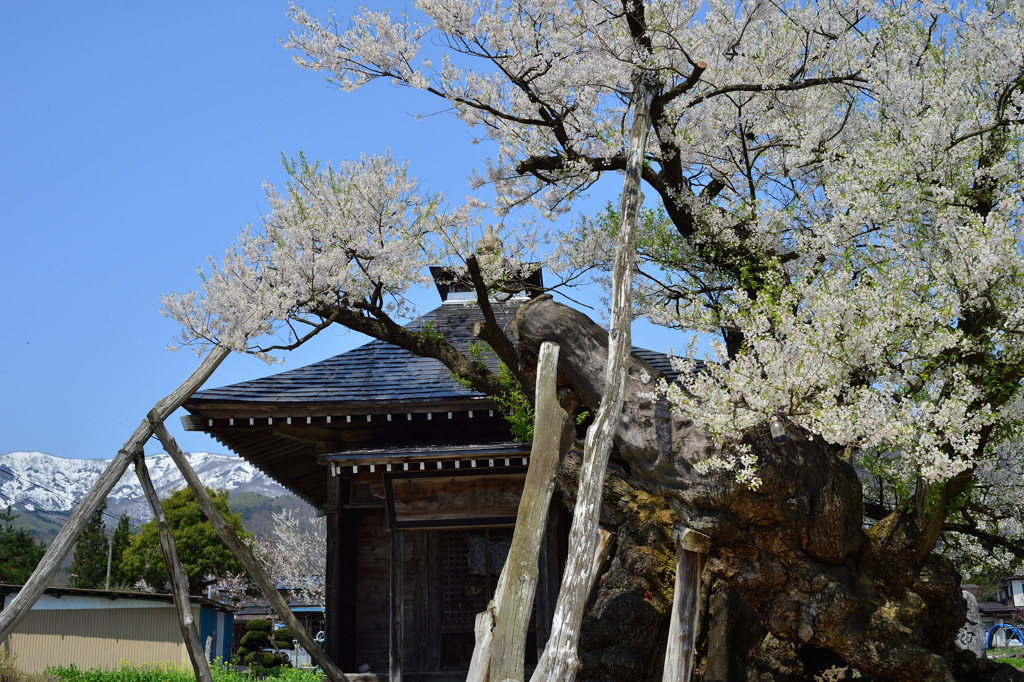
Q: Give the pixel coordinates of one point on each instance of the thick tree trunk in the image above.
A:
(734, 634)
(795, 549)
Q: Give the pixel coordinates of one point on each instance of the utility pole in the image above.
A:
(110, 556)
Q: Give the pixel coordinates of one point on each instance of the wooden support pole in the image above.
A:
(178, 579)
(501, 630)
(547, 585)
(61, 545)
(560, 661)
(396, 631)
(604, 545)
(245, 556)
(512, 614)
(682, 631)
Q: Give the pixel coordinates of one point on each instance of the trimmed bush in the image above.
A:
(259, 625)
(252, 649)
(283, 638)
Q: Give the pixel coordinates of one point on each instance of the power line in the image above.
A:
(50, 490)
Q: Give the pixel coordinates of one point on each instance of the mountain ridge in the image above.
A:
(40, 485)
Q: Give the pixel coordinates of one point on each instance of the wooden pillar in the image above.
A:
(340, 616)
(397, 606)
(176, 576)
(427, 600)
(682, 630)
(332, 615)
(348, 551)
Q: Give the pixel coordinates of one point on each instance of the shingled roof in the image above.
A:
(376, 373)
(282, 423)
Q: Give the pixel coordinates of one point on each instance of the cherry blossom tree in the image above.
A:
(295, 558)
(835, 196)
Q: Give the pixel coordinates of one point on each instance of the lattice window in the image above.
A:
(471, 562)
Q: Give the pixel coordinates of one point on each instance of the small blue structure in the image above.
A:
(1003, 626)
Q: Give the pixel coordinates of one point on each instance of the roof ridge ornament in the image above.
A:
(489, 243)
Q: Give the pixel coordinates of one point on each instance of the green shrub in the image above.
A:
(259, 625)
(256, 640)
(252, 641)
(283, 638)
(263, 659)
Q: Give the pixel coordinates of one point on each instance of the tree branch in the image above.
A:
(383, 328)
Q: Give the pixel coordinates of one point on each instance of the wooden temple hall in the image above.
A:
(419, 480)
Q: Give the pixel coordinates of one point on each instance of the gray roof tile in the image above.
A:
(378, 372)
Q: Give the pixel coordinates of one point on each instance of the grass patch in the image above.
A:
(1017, 663)
(173, 673)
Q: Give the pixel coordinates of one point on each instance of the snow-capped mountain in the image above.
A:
(36, 481)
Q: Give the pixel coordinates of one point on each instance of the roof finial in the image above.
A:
(489, 243)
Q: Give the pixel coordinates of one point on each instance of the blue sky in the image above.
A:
(136, 137)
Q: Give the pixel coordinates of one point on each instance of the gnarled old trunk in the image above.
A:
(795, 549)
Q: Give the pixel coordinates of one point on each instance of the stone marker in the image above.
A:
(972, 635)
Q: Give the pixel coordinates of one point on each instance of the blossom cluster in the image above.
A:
(358, 236)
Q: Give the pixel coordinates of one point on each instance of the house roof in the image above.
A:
(997, 609)
(282, 423)
(115, 595)
(376, 373)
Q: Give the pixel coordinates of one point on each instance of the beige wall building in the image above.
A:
(108, 629)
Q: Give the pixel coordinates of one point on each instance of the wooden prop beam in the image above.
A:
(65, 540)
(501, 631)
(604, 546)
(179, 581)
(513, 613)
(562, 662)
(682, 630)
(245, 556)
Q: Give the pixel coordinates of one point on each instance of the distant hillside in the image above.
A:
(44, 489)
(258, 511)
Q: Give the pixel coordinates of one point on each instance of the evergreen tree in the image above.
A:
(122, 538)
(19, 553)
(89, 565)
(201, 551)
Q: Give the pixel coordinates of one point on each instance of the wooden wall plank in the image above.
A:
(372, 596)
(442, 498)
(425, 644)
